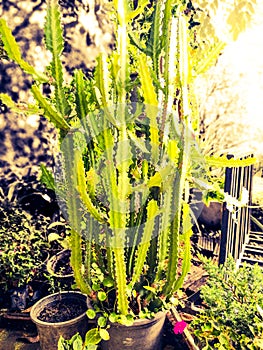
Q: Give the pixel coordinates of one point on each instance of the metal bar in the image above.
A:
(235, 231)
(225, 219)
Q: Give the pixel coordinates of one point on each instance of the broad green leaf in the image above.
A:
(102, 296)
(47, 177)
(91, 314)
(113, 317)
(125, 320)
(95, 287)
(104, 334)
(53, 237)
(102, 321)
(108, 282)
(78, 343)
(92, 337)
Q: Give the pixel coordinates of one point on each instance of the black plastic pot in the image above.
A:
(59, 267)
(59, 261)
(142, 335)
(48, 332)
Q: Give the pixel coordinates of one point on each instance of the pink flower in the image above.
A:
(179, 327)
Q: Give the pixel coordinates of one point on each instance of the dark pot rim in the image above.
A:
(141, 321)
(42, 303)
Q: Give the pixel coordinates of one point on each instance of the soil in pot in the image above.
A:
(60, 314)
(61, 311)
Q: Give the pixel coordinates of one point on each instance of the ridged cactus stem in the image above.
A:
(165, 227)
(147, 232)
(55, 44)
(122, 42)
(117, 221)
(184, 160)
(174, 234)
(74, 215)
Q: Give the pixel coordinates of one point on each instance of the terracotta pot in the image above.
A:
(144, 334)
(49, 333)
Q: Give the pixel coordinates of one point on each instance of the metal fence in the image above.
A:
(236, 238)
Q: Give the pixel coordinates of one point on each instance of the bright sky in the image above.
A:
(245, 57)
(243, 61)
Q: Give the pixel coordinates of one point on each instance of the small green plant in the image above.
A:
(232, 316)
(74, 343)
(23, 246)
(58, 234)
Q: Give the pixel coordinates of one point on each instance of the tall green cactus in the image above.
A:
(125, 162)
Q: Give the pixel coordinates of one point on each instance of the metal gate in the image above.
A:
(236, 238)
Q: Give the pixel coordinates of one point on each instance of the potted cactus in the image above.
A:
(127, 158)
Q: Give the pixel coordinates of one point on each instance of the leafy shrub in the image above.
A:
(232, 317)
(75, 342)
(23, 246)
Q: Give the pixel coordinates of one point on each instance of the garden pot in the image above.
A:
(59, 267)
(50, 331)
(144, 334)
(59, 264)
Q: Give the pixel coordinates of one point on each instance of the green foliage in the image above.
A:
(50, 113)
(231, 318)
(75, 343)
(23, 246)
(13, 51)
(236, 17)
(126, 167)
(55, 44)
(47, 177)
(19, 108)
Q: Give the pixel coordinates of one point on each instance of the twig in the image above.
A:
(186, 334)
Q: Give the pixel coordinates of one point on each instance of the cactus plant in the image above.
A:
(128, 154)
